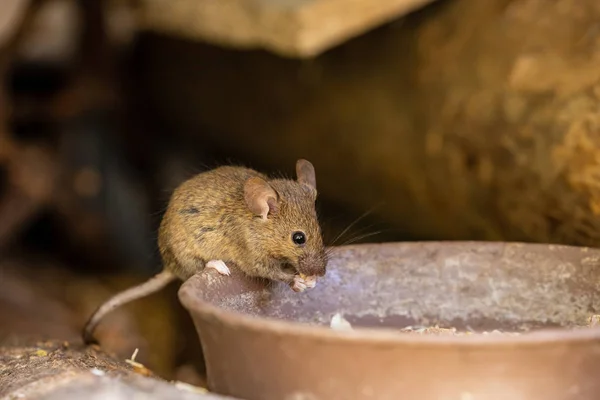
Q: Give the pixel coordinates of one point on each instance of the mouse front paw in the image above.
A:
(301, 283)
(310, 281)
(298, 285)
(219, 266)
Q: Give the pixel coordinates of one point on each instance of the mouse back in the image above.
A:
(238, 214)
(203, 219)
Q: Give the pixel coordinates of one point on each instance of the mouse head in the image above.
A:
(285, 225)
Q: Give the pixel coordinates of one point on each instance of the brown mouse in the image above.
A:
(267, 227)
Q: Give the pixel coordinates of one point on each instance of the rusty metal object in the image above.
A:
(264, 342)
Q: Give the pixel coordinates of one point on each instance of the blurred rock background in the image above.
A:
(443, 120)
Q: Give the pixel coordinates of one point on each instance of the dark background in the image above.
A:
(464, 120)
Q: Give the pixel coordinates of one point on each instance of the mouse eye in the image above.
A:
(299, 238)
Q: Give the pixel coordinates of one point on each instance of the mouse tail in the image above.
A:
(154, 284)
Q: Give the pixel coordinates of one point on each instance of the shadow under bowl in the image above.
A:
(263, 341)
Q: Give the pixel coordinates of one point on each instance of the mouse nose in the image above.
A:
(312, 264)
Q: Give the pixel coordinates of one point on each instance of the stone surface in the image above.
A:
(61, 370)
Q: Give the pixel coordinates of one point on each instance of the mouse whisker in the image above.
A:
(331, 251)
(360, 237)
(344, 231)
(357, 232)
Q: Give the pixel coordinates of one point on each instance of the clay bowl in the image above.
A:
(263, 341)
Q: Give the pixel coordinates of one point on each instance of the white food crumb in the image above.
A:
(134, 355)
(339, 323)
(97, 372)
(189, 388)
(466, 396)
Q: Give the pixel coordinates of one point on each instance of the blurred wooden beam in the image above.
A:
(290, 28)
(12, 13)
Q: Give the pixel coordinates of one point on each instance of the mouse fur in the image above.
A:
(236, 214)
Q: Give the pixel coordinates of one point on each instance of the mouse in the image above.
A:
(267, 227)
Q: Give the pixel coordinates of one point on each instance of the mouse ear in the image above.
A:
(305, 173)
(260, 197)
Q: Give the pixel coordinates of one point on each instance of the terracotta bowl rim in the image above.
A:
(386, 336)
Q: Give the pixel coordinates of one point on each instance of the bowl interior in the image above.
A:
(465, 285)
